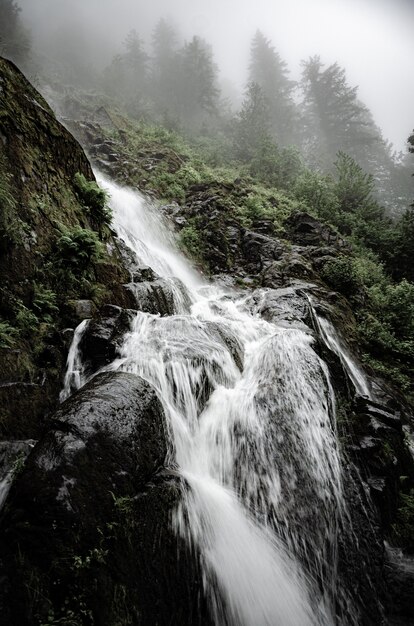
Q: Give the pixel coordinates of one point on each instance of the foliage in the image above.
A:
(14, 38)
(340, 274)
(26, 321)
(252, 126)
(94, 199)
(275, 167)
(45, 303)
(190, 240)
(270, 73)
(11, 227)
(403, 528)
(354, 187)
(318, 193)
(7, 334)
(77, 248)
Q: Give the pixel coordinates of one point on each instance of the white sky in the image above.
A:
(372, 39)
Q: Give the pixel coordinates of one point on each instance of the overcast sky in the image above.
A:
(372, 39)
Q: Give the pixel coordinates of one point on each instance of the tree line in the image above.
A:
(177, 84)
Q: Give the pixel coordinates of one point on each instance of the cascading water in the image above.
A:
(74, 377)
(252, 417)
(334, 343)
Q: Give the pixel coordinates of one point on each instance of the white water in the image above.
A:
(75, 375)
(334, 343)
(251, 412)
(12, 457)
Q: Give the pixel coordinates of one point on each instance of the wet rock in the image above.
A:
(260, 251)
(274, 275)
(159, 296)
(285, 307)
(232, 343)
(143, 274)
(306, 230)
(12, 457)
(84, 309)
(399, 576)
(103, 337)
(380, 412)
(87, 524)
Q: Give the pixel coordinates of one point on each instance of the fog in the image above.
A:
(372, 39)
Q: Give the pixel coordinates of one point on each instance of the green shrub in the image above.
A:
(276, 167)
(340, 274)
(93, 198)
(318, 193)
(26, 320)
(190, 241)
(394, 305)
(7, 335)
(44, 303)
(77, 248)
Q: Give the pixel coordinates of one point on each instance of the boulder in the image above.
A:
(285, 307)
(87, 530)
(306, 230)
(259, 251)
(164, 296)
(103, 337)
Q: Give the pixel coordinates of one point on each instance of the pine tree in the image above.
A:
(197, 91)
(127, 76)
(165, 70)
(14, 38)
(252, 126)
(270, 72)
(334, 117)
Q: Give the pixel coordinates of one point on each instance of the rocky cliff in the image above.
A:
(111, 558)
(54, 254)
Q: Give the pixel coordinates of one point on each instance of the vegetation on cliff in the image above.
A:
(53, 230)
(214, 189)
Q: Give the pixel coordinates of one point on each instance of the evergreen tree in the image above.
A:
(269, 71)
(14, 38)
(252, 126)
(334, 117)
(127, 76)
(401, 253)
(197, 91)
(165, 70)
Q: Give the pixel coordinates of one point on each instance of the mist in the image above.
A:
(370, 39)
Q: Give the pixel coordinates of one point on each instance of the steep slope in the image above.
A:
(74, 559)
(53, 252)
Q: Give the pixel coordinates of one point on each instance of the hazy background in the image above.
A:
(372, 39)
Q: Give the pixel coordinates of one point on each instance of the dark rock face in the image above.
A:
(103, 337)
(87, 524)
(375, 456)
(39, 160)
(260, 250)
(306, 230)
(158, 296)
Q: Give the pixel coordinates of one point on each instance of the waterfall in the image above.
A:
(334, 343)
(74, 377)
(251, 413)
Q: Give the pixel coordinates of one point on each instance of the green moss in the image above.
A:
(94, 199)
